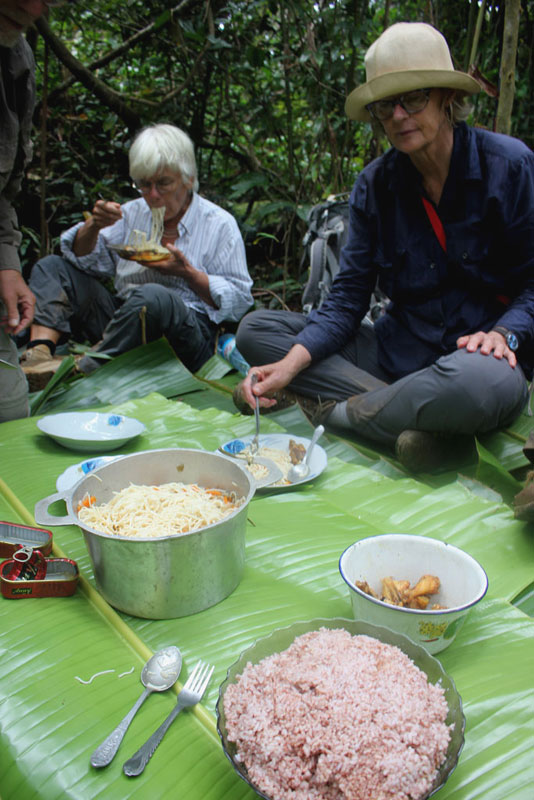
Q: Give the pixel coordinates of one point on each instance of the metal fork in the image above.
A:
(191, 694)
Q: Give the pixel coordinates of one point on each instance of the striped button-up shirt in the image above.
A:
(207, 235)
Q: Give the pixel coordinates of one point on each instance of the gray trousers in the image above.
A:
(75, 303)
(13, 384)
(461, 393)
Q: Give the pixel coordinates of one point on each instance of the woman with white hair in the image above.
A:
(201, 282)
(444, 221)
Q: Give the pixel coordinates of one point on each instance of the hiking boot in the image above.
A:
(420, 451)
(315, 410)
(528, 449)
(39, 365)
(284, 398)
(35, 355)
(524, 500)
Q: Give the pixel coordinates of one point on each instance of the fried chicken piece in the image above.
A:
(296, 451)
(400, 593)
(420, 602)
(363, 586)
(428, 584)
(391, 592)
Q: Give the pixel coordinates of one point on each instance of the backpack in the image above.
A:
(328, 228)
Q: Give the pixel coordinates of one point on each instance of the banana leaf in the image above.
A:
(148, 368)
(39, 398)
(215, 368)
(50, 722)
(491, 472)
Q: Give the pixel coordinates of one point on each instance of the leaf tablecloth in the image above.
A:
(50, 722)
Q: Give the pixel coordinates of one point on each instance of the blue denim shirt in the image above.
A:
(485, 277)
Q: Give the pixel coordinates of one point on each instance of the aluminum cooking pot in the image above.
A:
(173, 576)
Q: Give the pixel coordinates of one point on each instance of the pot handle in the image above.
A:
(42, 517)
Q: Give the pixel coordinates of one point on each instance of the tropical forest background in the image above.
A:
(260, 87)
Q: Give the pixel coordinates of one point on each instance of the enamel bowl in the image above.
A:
(463, 583)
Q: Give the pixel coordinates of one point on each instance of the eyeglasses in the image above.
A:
(162, 186)
(411, 102)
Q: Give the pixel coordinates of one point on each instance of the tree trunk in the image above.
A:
(503, 122)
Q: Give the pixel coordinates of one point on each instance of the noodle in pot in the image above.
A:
(156, 511)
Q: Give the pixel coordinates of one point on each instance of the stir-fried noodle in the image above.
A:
(155, 511)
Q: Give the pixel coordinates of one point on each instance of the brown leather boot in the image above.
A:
(39, 365)
(420, 451)
(524, 500)
(284, 398)
(314, 409)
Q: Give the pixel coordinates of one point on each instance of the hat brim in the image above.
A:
(398, 82)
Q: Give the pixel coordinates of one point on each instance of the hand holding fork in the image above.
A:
(191, 694)
(255, 443)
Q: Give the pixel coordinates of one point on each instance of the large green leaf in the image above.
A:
(50, 723)
(151, 367)
(39, 399)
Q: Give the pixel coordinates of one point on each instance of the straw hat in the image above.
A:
(407, 56)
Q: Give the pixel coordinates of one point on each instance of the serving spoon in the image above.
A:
(297, 472)
(160, 672)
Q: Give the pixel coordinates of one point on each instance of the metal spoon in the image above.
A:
(159, 674)
(255, 443)
(297, 472)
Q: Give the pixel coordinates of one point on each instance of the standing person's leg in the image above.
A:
(150, 312)
(13, 385)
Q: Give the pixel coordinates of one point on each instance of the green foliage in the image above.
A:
(259, 85)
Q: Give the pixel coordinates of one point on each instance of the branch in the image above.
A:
(108, 96)
(194, 69)
(123, 48)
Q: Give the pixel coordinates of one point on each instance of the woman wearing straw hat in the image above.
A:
(445, 222)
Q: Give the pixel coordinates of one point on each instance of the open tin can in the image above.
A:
(56, 577)
(12, 535)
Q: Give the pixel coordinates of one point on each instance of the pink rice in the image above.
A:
(338, 717)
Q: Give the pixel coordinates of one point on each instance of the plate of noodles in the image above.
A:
(283, 449)
(131, 253)
(141, 247)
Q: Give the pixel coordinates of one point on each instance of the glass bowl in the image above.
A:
(281, 638)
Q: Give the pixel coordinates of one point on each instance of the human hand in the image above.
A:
(266, 381)
(272, 377)
(492, 342)
(18, 299)
(105, 213)
(176, 264)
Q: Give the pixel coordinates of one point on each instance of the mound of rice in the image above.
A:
(338, 717)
